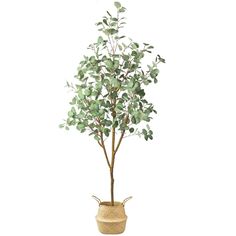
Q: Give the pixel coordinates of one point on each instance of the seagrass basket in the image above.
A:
(111, 219)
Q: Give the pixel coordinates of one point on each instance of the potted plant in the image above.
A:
(109, 101)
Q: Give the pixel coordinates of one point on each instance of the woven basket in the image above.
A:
(111, 219)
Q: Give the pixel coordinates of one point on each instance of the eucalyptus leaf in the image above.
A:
(117, 5)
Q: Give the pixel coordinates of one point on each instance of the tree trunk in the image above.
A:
(112, 165)
(112, 187)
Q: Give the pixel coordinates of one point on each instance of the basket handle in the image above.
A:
(97, 199)
(126, 200)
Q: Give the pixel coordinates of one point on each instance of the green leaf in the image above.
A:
(70, 113)
(105, 22)
(96, 137)
(109, 63)
(73, 102)
(131, 130)
(106, 132)
(134, 53)
(61, 125)
(94, 107)
(125, 57)
(144, 131)
(115, 124)
(144, 116)
(87, 92)
(124, 126)
(141, 93)
(107, 104)
(136, 45)
(114, 94)
(125, 96)
(117, 5)
(161, 59)
(119, 106)
(81, 74)
(81, 126)
(98, 85)
(115, 83)
(112, 31)
(108, 13)
(83, 130)
(133, 120)
(100, 40)
(154, 73)
(108, 122)
(116, 64)
(92, 59)
(113, 24)
(122, 9)
(80, 94)
(130, 84)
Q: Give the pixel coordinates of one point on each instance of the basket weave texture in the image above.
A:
(111, 219)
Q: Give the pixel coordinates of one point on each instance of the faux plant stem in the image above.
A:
(113, 151)
(122, 135)
(104, 149)
(112, 165)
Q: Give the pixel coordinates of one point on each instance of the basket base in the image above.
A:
(111, 227)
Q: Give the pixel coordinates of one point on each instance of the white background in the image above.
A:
(183, 182)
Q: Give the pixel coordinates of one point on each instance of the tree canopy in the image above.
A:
(109, 87)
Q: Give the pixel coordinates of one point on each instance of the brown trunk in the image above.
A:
(112, 166)
(112, 187)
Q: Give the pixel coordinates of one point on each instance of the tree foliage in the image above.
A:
(109, 91)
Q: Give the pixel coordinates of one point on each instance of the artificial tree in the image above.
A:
(109, 89)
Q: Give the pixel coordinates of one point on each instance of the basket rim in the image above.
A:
(109, 204)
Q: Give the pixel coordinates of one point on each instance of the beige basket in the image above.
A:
(111, 219)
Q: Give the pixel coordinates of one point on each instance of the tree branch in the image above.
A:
(122, 135)
(99, 144)
(113, 147)
(102, 144)
(94, 131)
